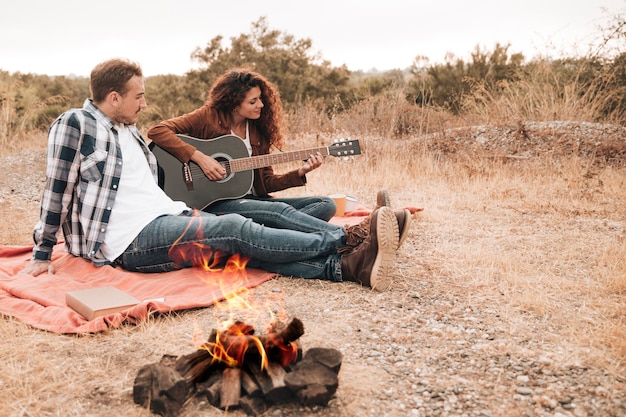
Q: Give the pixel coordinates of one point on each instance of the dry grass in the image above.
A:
(540, 242)
(24, 142)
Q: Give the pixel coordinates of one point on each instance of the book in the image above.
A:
(102, 301)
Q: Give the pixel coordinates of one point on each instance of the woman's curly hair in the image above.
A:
(229, 91)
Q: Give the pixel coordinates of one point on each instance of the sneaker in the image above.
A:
(370, 263)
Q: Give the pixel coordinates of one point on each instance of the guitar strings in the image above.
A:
(259, 161)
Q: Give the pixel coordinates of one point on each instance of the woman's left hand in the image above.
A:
(314, 161)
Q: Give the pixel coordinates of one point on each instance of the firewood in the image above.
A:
(198, 364)
(231, 388)
(168, 360)
(312, 382)
(249, 385)
(272, 382)
(253, 406)
(314, 394)
(238, 343)
(211, 388)
(236, 369)
(308, 373)
(330, 358)
(276, 345)
(162, 389)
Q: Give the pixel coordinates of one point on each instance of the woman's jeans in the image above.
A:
(305, 214)
(196, 238)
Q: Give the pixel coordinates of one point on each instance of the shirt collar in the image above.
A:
(97, 113)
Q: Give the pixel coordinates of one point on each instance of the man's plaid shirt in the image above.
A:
(84, 164)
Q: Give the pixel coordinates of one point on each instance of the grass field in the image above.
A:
(528, 250)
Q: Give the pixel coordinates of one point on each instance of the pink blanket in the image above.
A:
(40, 301)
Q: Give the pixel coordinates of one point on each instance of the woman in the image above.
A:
(245, 104)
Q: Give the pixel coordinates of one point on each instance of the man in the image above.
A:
(101, 189)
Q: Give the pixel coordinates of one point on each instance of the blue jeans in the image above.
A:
(304, 214)
(195, 238)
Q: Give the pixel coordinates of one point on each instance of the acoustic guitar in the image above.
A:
(186, 181)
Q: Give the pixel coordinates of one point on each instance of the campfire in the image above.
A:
(235, 368)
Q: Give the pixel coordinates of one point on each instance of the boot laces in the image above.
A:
(355, 235)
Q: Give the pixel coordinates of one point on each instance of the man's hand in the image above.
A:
(314, 161)
(211, 168)
(38, 267)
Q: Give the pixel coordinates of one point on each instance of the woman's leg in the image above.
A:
(279, 213)
(321, 207)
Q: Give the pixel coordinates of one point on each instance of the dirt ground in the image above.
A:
(503, 302)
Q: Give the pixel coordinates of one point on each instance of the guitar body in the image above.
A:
(205, 191)
(187, 182)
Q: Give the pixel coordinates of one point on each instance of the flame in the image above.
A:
(233, 338)
(195, 254)
(231, 345)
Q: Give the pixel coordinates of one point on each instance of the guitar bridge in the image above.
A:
(187, 177)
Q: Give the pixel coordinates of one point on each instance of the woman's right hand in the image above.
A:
(211, 168)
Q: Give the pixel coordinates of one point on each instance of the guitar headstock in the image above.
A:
(344, 148)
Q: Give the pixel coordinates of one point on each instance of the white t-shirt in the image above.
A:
(246, 141)
(139, 199)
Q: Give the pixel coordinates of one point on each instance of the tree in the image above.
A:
(290, 63)
(444, 85)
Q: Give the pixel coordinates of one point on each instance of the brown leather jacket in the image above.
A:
(207, 123)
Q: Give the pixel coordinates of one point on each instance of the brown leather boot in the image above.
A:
(355, 235)
(383, 199)
(370, 263)
(403, 216)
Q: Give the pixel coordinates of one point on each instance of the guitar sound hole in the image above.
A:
(224, 161)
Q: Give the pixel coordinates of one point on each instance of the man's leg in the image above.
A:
(175, 242)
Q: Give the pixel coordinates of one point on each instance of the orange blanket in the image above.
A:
(40, 302)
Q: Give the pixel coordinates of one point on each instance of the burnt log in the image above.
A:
(237, 345)
(331, 358)
(231, 388)
(161, 388)
(271, 380)
(314, 394)
(249, 386)
(253, 406)
(235, 369)
(211, 389)
(314, 380)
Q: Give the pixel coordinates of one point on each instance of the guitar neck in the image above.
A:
(260, 161)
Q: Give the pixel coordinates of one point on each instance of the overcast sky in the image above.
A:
(65, 37)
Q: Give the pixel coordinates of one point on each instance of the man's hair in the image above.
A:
(112, 75)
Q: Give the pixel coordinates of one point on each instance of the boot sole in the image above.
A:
(387, 237)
